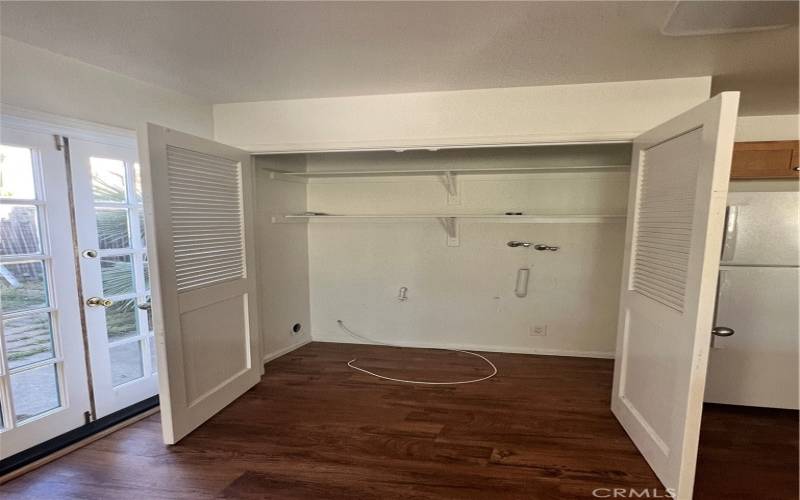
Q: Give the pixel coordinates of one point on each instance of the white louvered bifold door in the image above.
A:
(676, 211)
(198, 204)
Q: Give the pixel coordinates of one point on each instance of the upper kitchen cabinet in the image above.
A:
(765, 160)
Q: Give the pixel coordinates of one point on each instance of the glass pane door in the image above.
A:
(114, 273)
(43, 385)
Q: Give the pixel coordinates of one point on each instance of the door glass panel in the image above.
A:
(137, 182)
(108, 180)
(112, 228)
(35, 391)
(19, 230)
(146, 272)
(153, 363)
(28, 339)
(117, 274)
(121, 320)
(23, 286)
(142, 237)
(126, 363)
(16, 173)
(149, 317)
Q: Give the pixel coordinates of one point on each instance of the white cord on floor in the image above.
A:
(353, 366)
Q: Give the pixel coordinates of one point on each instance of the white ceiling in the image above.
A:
(250, 51)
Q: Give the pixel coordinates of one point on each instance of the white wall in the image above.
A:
(602, 111)
(282, 251)
(768, 128)
(464, 296)
(39, 80)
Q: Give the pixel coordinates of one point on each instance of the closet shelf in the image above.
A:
(453, 171)
(449, 221)
(528, 218)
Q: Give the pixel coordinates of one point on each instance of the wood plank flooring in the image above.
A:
(314, 428)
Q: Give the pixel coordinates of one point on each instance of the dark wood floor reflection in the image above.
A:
(314, 428)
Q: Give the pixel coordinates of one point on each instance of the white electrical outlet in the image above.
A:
(538, 331)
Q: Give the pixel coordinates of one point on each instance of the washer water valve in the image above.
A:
(527, 244)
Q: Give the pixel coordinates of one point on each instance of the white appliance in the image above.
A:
(757, 304)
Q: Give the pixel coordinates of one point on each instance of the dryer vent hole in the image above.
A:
(296, 328)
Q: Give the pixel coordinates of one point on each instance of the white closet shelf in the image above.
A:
(528, 218)
(449, 221)
(453, 171)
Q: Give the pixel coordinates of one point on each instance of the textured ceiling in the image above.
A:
(250, 51)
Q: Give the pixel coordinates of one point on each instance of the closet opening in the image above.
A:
(342, 232)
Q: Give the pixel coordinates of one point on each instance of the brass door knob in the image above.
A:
(99, 302)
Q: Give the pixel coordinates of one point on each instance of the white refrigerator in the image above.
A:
(754, 352)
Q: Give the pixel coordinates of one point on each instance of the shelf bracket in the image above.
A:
(451, 227)
(281, 219)
(451, 184)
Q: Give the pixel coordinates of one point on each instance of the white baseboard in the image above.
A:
(280, 352)
(321, 337)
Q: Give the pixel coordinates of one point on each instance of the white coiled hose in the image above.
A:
(352, 365)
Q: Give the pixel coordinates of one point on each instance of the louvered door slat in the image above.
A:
(207, 218)
(663, 228)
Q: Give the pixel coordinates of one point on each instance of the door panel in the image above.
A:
(113, 264)
(43, 388)
(200, 227)
(676, 207)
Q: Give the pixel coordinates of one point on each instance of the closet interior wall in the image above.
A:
(282, 251)
(457, 296)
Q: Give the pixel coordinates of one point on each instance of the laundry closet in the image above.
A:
(412, 247)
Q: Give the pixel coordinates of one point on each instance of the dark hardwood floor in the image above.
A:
(314, 428)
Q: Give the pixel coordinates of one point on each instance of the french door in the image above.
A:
(115, 277)
(43, 382)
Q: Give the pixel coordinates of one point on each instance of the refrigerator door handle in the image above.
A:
(720, 285)
(722, 331)
(731, 230)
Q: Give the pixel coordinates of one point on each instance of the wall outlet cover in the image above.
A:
(538, 331)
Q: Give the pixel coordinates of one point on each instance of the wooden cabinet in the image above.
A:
(765, 160)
